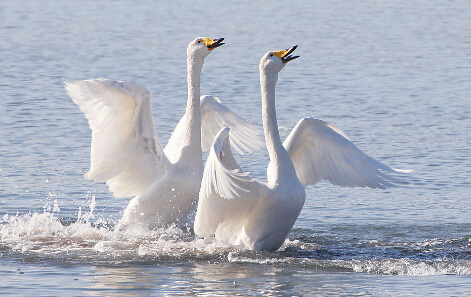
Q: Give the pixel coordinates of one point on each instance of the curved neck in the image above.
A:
(280, 163)
(270, 125)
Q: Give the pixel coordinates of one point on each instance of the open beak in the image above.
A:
(212, 43)
(285, 55)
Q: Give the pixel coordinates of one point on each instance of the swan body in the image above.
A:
(242, 211)
(126, 152)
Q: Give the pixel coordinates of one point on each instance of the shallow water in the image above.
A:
(393, 76)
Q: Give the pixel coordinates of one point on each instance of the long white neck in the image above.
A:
(270, 125)
(280, 162)
(191, 141)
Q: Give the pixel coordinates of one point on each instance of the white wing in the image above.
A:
(173, 148)
(125, 150)
(227, 193)
(321, 151)
(245, 135)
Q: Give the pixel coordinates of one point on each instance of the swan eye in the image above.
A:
(199, 41)
(271, 55)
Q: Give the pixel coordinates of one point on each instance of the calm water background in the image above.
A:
(394, 75)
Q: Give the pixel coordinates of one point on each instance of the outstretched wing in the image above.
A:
(227, 193)
(321, 151)
(125, 150)
(246, 136)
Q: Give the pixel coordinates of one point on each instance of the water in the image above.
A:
(393, 75)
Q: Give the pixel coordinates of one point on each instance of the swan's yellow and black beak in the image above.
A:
(212, 43)
(285, 55)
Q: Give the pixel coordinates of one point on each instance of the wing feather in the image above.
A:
(125, 150)
(227, 193)
(245, 135)
(321, 151)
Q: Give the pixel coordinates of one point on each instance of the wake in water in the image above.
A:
(39, 237)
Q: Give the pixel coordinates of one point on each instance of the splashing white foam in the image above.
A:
(410, 267)
(44, 235)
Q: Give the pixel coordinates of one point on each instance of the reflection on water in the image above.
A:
(213, 279)
(223, 278)
(216, 279)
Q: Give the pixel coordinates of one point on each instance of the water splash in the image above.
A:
(43, 236)
(410, 267)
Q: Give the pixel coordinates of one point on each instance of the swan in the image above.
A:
(235, 208)
(126, 152)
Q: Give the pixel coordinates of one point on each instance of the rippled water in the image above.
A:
(393, 75)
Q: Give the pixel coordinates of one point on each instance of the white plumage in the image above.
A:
(126, 152)
(237, 209)
(321, 151)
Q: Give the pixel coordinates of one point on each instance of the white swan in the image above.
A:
(126, 152)
(239, 210)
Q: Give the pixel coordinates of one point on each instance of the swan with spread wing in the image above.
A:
(242, 211)
(126, 152)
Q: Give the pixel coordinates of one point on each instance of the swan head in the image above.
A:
(274, 61)
(201, 47)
